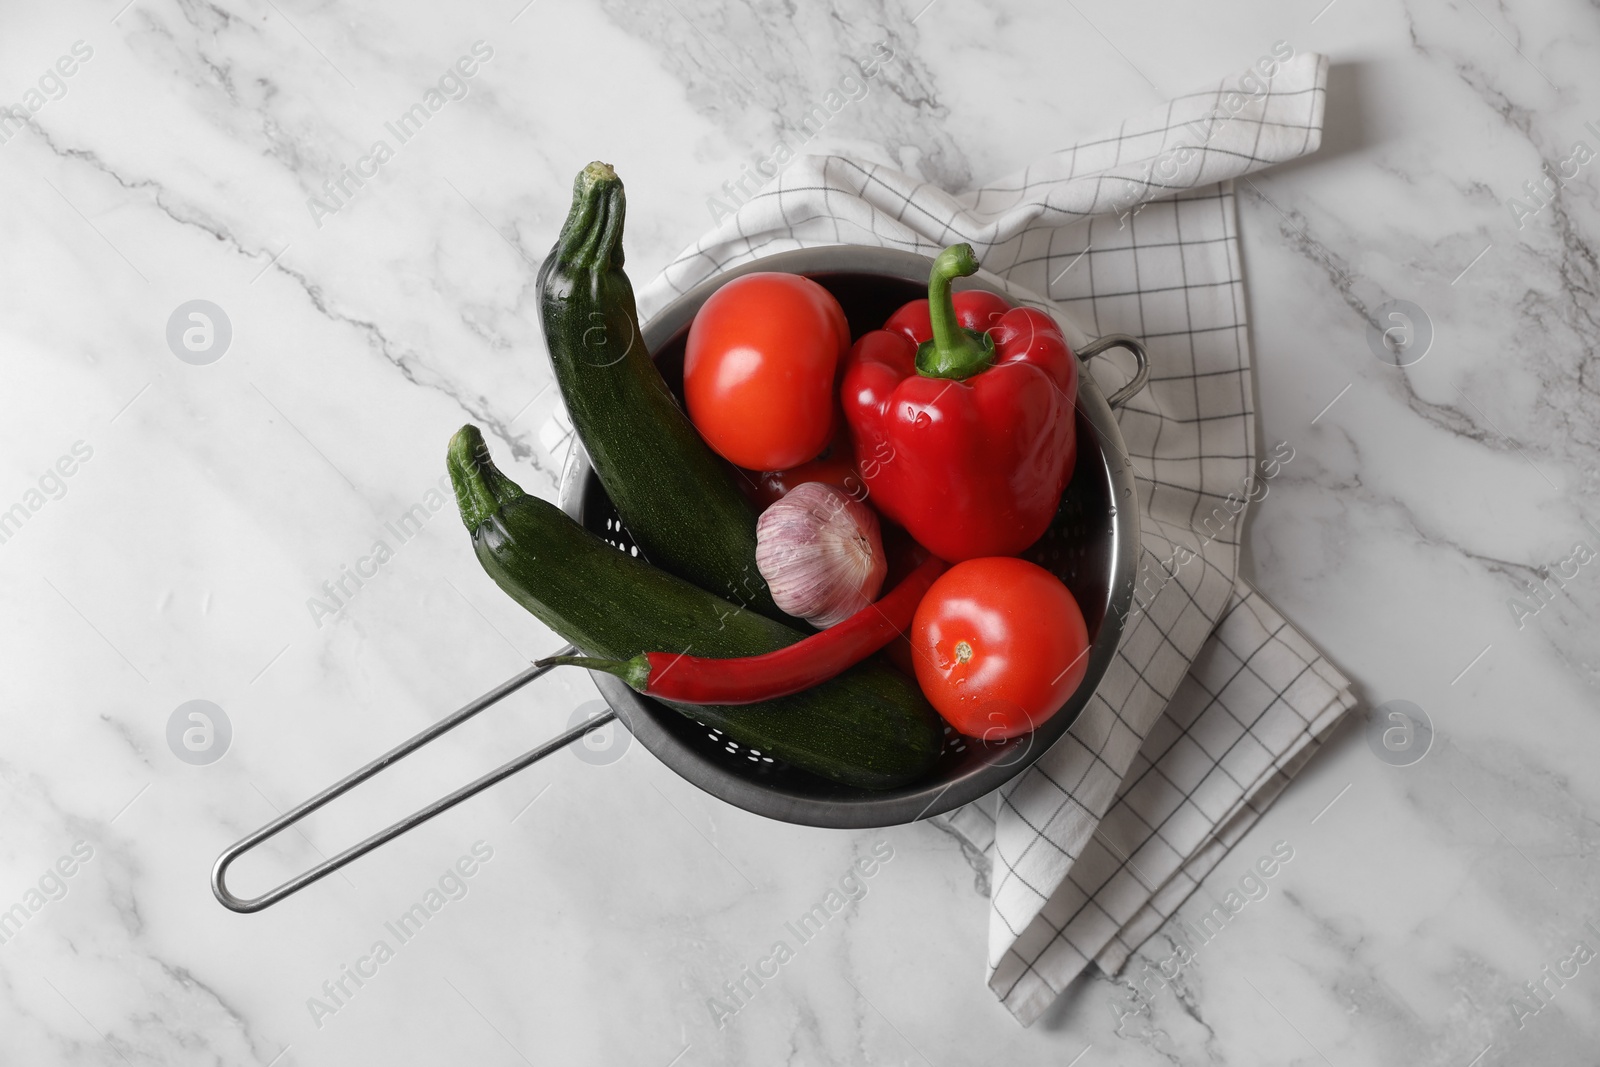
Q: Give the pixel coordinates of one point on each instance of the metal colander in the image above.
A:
(1091, 546)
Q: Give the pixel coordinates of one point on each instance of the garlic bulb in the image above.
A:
(821, 553)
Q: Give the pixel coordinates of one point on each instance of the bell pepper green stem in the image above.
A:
(954, 351)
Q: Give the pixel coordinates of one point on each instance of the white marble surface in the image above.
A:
(176, 562)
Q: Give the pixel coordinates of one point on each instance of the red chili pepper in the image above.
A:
(791, 669)
(962, 411)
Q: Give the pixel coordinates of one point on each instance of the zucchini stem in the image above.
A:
(480, 487)
(591, 238)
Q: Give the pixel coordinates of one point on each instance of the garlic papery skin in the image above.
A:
(821, 552)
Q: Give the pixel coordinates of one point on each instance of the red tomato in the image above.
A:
(769, 487)
(999, 645)
(758, 372)
(836, 467)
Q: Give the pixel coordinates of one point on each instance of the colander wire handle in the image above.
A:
(417, 818)
(1141, 373)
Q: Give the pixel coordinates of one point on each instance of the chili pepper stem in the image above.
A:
(954, 351)
(635, 671)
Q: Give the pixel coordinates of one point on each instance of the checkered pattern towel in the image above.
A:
(1213, 701)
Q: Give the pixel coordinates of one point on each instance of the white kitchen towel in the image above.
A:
(1213, 701)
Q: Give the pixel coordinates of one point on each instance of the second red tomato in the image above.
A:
(999, 645)
(759, 369)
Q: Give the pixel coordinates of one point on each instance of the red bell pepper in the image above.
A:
(962, 412)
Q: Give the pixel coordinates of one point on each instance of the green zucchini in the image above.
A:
(676, 498)
(870, 727)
